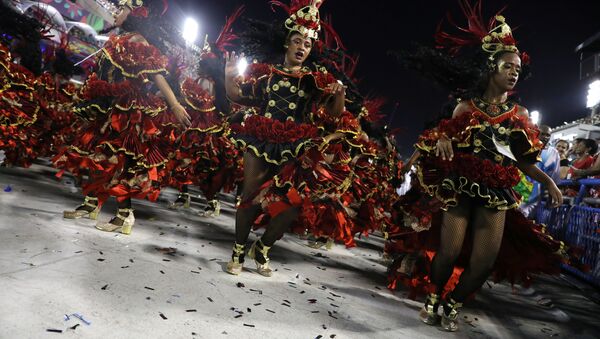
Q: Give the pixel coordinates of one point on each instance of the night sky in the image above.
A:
(548, 30)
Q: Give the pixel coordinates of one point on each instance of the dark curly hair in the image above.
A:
(465, 76)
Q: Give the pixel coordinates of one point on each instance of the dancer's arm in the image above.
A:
(335, 105)
(232, 88)
(532, 171)
(171, 100)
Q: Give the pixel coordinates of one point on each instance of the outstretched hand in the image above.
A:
(231, 63)
(555, 195)
(336, 88)
(182, 116)
(444, 148)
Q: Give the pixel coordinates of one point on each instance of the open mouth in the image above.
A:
(512, 82)
(299, 55)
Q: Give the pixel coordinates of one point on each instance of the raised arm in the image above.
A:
(232, 87)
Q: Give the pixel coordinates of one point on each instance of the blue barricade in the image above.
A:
(578, 226)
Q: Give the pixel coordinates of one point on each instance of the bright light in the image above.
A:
(534, 116)
(242, 65)
(190, 30)
(593, 97)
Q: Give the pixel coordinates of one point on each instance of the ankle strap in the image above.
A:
(89, 198)
(238, 248)
(433, 299)
(124, 210)
(263, 249)
(451, 307)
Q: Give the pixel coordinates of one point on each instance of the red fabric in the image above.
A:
(275, 131)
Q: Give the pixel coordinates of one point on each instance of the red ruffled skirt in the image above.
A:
(272, 140)
(122, 148)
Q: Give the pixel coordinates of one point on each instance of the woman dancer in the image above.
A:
(284, 93)
(470, 163)
(121, 145)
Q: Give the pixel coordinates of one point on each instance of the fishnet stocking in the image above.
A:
(454, 227)
(256, 173)
(488, 229)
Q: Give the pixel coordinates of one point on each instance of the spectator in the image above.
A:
(594, 169)
(562, 146)
(585, 150)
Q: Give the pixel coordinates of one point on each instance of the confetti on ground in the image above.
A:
(167, 250)
(190, 310)
(162, 316)
(104, 287)
(53, 330)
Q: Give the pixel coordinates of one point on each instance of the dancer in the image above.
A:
(284, 95)
(469, 164)
(20, 64)
(205, 155)
(121, 145)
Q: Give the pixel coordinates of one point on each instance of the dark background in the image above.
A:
(548, 30)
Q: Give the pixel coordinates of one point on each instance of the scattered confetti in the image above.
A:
(248, 325)
(162, 316)
(104, 287)
(167, 250)
(191, 310)
(149, 288)
(53, 330)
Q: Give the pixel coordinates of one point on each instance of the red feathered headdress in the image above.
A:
(225, 38)
(304, 16)
(494, 37)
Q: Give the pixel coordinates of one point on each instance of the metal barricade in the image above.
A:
(578, 226)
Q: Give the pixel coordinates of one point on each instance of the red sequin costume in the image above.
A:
(479, 171)
(120, 144)
(205, 156)
(56, 123)
(19, 109)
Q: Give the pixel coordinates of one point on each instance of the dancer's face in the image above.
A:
(121, 15)
(298, 49)
(507, 71)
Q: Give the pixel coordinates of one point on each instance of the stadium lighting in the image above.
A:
(534, 116)
(242, 65)
(190, 30)
(593, 97)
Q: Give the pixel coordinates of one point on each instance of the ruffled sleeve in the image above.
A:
(253, 85)
(524, 141)
(135, 59)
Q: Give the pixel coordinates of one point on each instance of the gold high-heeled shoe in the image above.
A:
(79, 212)
(429, 312)
(450, 315)
(262, 268)
(183, 201)
(213, 210)
(124, 214)
(317, 244)
(236, 264)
